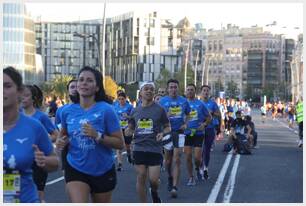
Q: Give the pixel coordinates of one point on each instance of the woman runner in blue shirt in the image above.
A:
(93, 130)
(31, 101)
(24, 140)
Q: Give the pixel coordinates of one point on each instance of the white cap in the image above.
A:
(146, 83)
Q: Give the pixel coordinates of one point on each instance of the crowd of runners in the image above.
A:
(90, 129)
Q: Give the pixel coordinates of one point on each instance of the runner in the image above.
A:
(210, 129)
(299, 120)
(93, 130)
(199, 119)
(72, 92)
(25, 140)
(123, 110)
(31, 101)
(263, 113)
(177, 108)
(149, 123)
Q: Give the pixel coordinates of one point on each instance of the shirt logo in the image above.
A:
(22, 140)
(4, 147)
(96, 115)
(12, 162)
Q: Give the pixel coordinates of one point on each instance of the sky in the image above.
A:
(288, 16)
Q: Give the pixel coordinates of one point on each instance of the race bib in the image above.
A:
(145, 126)
(11, 187)
(123, 123)
(175, 111)
(193, 115)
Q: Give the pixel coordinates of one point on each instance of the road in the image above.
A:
(272, 174)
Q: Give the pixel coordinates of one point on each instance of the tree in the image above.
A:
(218, 87)
(57, 87)
(268, 90)
(163, 77)
(111, 87)
(232, 89)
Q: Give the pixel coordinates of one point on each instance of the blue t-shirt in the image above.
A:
(212, 107)
(198, 115)
(178, 107)
(84, 153)
(44, 120)
(58, 116)
(120, 110)
(18, 153)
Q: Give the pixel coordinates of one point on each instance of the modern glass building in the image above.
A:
(19, 40)
(66, 47)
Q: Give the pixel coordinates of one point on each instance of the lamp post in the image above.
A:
(85, 36)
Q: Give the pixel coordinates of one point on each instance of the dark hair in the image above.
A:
(205, 85)
(37, 95)
(238, 112)
(72, 80)
(192, 85)
(121, 94)
(172, 81)
(119, 91)
(15, 76)
(100, 95)
(248, 118)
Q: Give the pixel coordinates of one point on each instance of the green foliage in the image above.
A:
(165, 75)
(57, 87)
(232, 90)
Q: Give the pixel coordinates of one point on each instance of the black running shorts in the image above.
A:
(97, 184)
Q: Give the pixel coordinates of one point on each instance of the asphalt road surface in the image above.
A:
(272, 174)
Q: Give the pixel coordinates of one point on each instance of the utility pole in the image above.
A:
(103, 45)
(186, 62)
(196, 69)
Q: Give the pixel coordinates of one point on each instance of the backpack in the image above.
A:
(243, 146)
(227, 147)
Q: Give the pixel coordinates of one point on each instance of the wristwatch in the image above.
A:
(99, 137)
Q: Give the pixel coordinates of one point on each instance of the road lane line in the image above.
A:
(62, 177)
(284, 125)
(214, 192)
(231, 182)
(55, 181)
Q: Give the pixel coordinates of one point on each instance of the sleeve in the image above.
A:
(47, 123)
(187, 107)
(63, 118)
(43, 141)
(58, 116)
(215, 108)
(132, 119)
(164, 118)
(205, 110)
(111, 121)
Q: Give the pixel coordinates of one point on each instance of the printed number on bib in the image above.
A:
(11, 187)
(145, 126)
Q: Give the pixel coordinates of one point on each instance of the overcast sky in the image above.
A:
(211, 15)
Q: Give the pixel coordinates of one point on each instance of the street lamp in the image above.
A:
(85, 36)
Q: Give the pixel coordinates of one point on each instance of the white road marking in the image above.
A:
(62, 177)
(231, 182)
(215, 191)
(284, 125)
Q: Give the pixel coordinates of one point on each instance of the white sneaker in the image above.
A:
(300, 143)
(191, 182)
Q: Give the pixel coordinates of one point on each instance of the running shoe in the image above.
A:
(300, 143)
(119, 168)
(191, 182)
(206, 174)
(170, 183)
(129, 159)
(154, 196)
(199, 175)
(174, 192)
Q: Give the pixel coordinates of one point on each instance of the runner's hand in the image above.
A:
(39, 156)
(159, 136)
(89, 131)
(61, 142)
